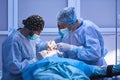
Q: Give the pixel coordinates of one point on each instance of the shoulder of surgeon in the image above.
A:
(13, 36)
(89, 24)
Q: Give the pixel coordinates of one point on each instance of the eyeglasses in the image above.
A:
(61, 25)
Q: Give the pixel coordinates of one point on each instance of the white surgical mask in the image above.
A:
(33, 37)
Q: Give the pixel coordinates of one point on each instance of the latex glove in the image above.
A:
(51, 45)
(63, 47)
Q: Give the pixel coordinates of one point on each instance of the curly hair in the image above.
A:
(34, 23)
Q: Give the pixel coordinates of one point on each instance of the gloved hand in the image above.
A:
(51, 45)
(63, 47)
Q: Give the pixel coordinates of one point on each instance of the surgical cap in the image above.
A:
(67, 15)
(34, 23)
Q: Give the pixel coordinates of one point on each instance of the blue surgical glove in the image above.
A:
(64, 47)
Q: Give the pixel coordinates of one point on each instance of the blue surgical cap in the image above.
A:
(67, 15)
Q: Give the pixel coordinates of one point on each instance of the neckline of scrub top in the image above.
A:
(80, 24)
(21, 35)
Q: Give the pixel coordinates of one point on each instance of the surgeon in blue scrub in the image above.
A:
(19, 49)
(80, 39)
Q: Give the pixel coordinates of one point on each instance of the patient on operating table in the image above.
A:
(50, 64)
(51, 51)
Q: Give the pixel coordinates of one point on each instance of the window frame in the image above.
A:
(13, 18)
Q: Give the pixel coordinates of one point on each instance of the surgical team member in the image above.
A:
(19, 49)
(80, 39)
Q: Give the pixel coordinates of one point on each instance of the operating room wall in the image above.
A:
(105, 19)
(45, 8)
(3, 24)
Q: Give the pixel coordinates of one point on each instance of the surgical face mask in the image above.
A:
(62, 32)
(33, 37)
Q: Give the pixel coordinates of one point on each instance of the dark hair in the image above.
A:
(34, 23)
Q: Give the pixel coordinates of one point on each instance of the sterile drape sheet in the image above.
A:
(54, 68)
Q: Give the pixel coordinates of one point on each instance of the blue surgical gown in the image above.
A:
(17, 54)
(89, 44)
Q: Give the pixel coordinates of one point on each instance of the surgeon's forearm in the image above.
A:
(17, 68)
(87, 54)
(41, 46)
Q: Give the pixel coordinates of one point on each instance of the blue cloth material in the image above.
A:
(88, 42)
(116, 68)
(17, 54)
(102, 70)
(58, 69)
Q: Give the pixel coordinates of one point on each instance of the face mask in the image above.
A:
(33, 37)
(62, 32)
